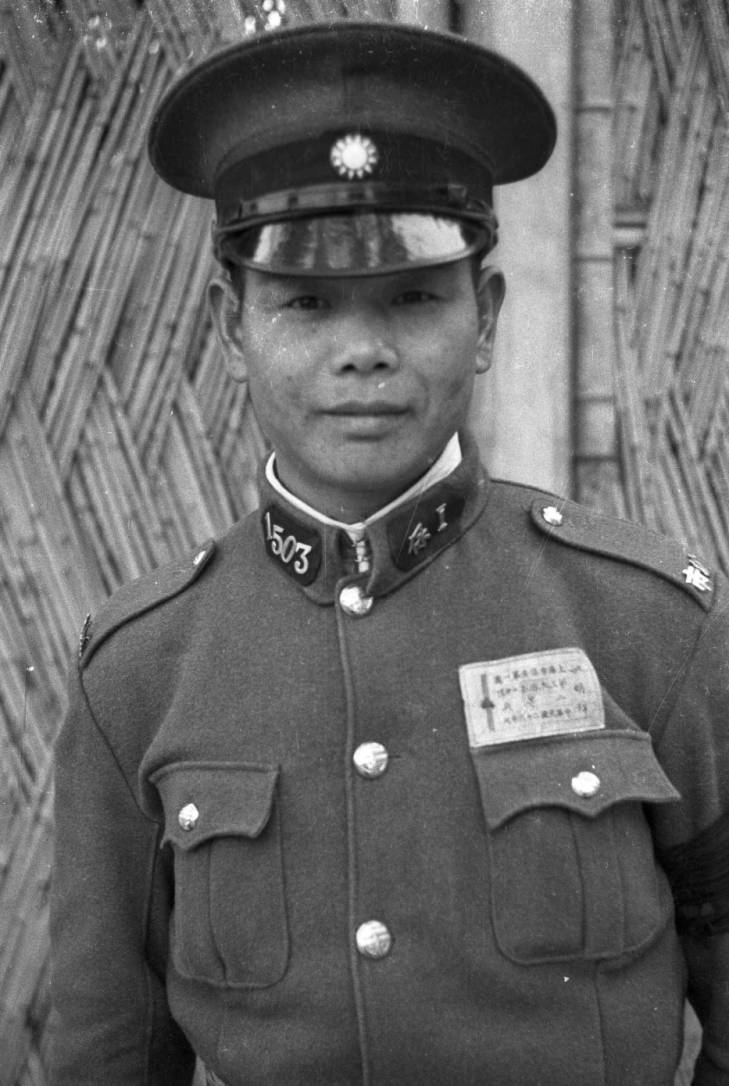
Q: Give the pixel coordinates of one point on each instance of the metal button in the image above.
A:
(586, 784)
(373, 939)
(188, 816)
(353, 600)
(552, 515)
(370, 759)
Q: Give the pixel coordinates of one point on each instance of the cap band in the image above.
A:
(337, 168)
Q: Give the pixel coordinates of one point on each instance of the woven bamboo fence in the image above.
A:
(672, 267)
(123, 444)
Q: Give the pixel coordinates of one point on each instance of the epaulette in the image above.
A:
(142, 595)
(580, 527)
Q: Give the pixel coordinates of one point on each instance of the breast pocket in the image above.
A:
(229, 924)
(573, 874)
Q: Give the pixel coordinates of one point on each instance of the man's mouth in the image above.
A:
(367, 409)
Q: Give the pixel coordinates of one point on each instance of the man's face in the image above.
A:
(358, 383)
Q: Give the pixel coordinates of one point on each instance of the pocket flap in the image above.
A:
(586, 773)
(214, 799)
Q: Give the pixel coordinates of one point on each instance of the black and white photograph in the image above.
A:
(364, 542)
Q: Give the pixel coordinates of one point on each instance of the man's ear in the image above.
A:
(225, 310)
(490, 292)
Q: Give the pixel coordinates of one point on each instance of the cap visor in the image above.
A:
(357, 243)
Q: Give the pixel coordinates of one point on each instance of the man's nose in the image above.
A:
(365, 344)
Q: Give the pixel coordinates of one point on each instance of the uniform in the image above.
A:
(301, 806)
(423, 803)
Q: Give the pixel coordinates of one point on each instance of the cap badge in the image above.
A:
(354, 155)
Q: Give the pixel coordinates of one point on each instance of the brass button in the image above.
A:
(552, 515)
(353, 600)
(370, 759)
(188, 816)
(586, 784)
(373, 939)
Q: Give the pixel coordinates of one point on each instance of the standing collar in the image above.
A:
(321, 555)
(446, 463)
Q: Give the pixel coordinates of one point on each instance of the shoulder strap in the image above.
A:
(577, 526)
(142, 595)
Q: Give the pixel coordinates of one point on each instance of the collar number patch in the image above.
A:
(527, 697)
(291, 544)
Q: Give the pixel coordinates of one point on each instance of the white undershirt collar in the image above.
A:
(447, 462)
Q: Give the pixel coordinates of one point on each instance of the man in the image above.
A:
(372, 789)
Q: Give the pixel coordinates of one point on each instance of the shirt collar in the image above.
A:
(447, 462)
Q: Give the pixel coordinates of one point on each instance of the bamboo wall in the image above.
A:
(121, 442)
(671, 268)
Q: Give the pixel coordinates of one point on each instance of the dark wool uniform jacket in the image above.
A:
(238, 877)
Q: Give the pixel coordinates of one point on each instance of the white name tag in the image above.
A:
(524, 697)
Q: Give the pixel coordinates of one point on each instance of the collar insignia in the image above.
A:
(85, 636)
(418, 534)
(291, 544)
(697, 575)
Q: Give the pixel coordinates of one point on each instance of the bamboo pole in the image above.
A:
(595, 454)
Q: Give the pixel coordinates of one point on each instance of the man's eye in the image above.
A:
(305, 301)
(414, 297)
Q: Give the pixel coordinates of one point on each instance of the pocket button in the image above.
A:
(585, 784)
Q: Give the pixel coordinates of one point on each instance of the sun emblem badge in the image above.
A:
(354, 155)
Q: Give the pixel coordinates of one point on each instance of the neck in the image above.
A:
(362, 508)
(345, 509)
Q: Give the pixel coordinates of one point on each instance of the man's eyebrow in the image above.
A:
(285, 283)
(271, 289)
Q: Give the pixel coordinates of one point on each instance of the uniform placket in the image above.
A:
(368, 937)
